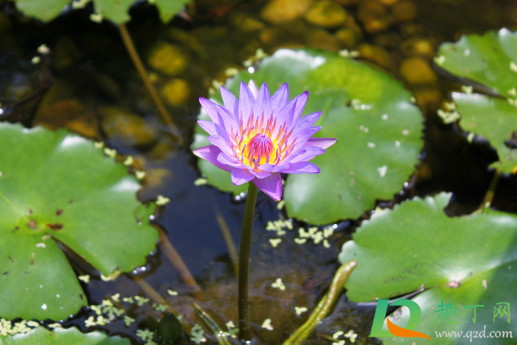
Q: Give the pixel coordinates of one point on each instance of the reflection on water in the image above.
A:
(87, 84)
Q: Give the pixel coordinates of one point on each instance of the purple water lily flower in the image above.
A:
(257, 137)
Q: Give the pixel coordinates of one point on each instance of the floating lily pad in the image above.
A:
(496, 120)
(116, 11)
(461, 261)
(42, 10)
(170, 8)
(377, 127)
(57, 188)
(60, 336)
(491, 60)
(486, 59)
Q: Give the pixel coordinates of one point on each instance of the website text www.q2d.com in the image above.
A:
(471, 335)
(445, 313)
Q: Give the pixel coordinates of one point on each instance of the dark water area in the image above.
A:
(89, 85)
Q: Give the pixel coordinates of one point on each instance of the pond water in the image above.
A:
(88, 85)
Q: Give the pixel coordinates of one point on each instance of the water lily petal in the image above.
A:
(208, 126)
(227, 119)
(213, 128)
(271, 185)
(283, 115)
(302, 168)
(301, 100)
(324, 143)
(210, 107)
(227, 159)
(222, 143)
(303, 136)
(286, 114)
(240, 176)
(260, 173)
(307, 121)
(280, 98)
(306, 154)
(246, 101)
(229, 100)
(210, 153)
(262, 106)
(274, 168)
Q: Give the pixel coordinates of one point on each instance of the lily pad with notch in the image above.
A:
(490, 60)
(58, 189)
(370, 113)
(462, 261)
(115, 11)
(61, 336)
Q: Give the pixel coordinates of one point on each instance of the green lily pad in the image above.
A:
(169, 8)
(57, 188)
(491, 60)
(42, 10)
(115, 11)
(60, 336)
(486, 59)
(377, 127)
(461, 261)
(493, 118)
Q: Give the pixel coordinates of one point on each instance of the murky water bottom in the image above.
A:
(88, 85)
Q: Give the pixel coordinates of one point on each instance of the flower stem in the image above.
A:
(244, 263)
(128, 42)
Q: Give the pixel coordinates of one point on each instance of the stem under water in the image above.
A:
(128, 42)
(489, 196)
(179, 264)
(221, 336)
(156, 297)
(225, 230)
(244, 263)
(324, 306)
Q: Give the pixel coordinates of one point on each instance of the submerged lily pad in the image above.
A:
(491, 60)
(60, 336)
(58, 189)
(116, 11)
(377, 127)
(461, 261)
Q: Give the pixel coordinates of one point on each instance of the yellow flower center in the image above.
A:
(258, 150)
(256, 145)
